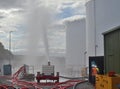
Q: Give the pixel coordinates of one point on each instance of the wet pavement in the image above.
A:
(84, 85)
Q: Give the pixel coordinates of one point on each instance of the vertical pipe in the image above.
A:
(95, 27)
(85, 58)
(10, 46)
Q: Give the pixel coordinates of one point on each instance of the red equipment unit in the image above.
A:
(48, 74)
(46, 77)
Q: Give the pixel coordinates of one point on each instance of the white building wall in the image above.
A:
(102, 15)
(107, 17)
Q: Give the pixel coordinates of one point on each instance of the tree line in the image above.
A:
(5, 53)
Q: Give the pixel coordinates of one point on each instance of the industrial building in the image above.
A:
(112, 50)
(102, 39)
(101, 16)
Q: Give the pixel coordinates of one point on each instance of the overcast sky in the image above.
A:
(12, 18)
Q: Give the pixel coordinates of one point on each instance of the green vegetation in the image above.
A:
(4, 53)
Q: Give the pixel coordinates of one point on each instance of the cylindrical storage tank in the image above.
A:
(101, 15)
(75, 43)
(112, 50)
(90, 30)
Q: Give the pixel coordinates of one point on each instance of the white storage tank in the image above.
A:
(90, 29)
(75, 42)
(101, 15)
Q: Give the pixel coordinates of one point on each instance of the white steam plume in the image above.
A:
(38, 21)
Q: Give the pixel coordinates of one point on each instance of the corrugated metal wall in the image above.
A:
(7, 69)
(112, 50)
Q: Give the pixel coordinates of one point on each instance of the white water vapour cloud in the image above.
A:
(38, 20)
(7, 4)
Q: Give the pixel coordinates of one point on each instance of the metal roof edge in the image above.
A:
(111, 30)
